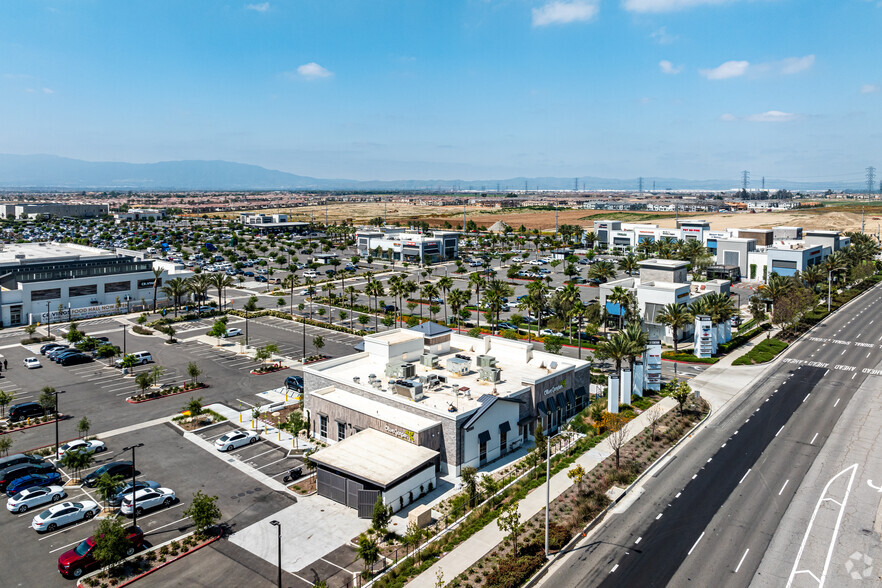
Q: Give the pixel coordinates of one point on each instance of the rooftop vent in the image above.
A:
(486, 361)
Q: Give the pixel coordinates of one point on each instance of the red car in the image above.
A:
(79, 560)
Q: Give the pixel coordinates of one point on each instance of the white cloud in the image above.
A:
(793, 65)
(261, 7)
(313, 71)
(773, 116)
(669, 68)
(869, 88)
(662, 37)
(730, 69)
(565, 12)
(48, 91)
(665, 5)
(728, 117)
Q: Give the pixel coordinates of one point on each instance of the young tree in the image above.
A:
(680, 392)
(203, 511)
(30, 329)
(112, 544)
(617, 425)
(577, 474)
(156, 372)
(509, 521)
(5, 444)
(654, 415)
(129, 362)
(107, 486)
(194, 407)
(218, 330)
(319, 342)
(381, 516)
(251, 305)
(47, 399)
(552, 343)
(143, 381)
(413, 537)
(469, 477)
(83, 427)
(193, 371)
(6, 398)
(77, 460)
(368, 551)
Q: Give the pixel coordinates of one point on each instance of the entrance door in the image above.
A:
(483, 453)
(503, 442)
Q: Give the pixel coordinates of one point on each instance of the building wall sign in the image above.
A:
(400, 433)
(80, 313)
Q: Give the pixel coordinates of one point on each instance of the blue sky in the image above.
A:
(451, 89)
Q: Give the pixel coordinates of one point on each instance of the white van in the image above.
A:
(141, 357)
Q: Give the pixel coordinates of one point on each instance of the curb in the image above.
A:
(130, 401)
(63, 417)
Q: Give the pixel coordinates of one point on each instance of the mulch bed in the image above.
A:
(14, 429)
(268, 371)
(131, 401)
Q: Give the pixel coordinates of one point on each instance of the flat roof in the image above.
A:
(668, 263)
(395, 336)
(384, 412)
(49, 251)
(665, 285)
(374, 456)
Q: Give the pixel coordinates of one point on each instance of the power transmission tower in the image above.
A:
(525, 186)
(745, 180)
(497, 187)
(871, 179)
(640, 189)
(576, 184)
(764, 183)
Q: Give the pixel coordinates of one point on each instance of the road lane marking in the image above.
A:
(709, 459)
(806, 396)
(614, 568)
(723, 445)
(812, 442)
(738, 567)
(827, 372)
(779, 431)
(694, 545)
(869, 353)
(735, 433)
(678, 495)
(639, 539)
(659, 516)
(744, 476)
(835, 403)
(853, 376)
(693, 477)
(843, 352)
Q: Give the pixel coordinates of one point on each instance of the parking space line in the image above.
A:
(272, 462)
(66, 529)
(166, 525)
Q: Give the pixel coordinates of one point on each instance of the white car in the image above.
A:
(64, 514)
(147, 498)
(236, 439)
(233, 333)
(551, 333)
(310, 274)
(93, 446)
(34, 496)
(32, 362)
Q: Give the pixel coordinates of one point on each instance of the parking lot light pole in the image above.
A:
(278, 526)
(56, 424)
(134, 492)
(124, 340)
(246, 329)
(48, 321)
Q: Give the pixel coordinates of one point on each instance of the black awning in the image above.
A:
(504, 427)
(561, 400)
(483, 436)
(571, 397)
(551, 404)
(580, 391)
(540, 407)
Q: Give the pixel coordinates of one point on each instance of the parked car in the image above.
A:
(310, 274)
(551, 333)
(141, 357)
(64, 514)
(146, 499)
(75, 359)
(93, 446)
(28, 498)
(232, 332)
(507, 326)
(81, 559)
(390, 308)
(294, 383)
(55, 351)
(127, 489)
(19, 458)
(25, 410)
(114, 468)
(236, 439)
(57, 357)
(31, 481)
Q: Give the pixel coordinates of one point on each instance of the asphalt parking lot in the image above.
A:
(263, 456)
(166, 458)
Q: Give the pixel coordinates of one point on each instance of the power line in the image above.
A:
(640, 188)
(871, 179)
(745, 180)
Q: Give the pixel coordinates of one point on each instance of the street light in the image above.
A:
(56, 392)
(124, 340)
(278, 526)
(134, 492)
(829, 288)
(48, 321)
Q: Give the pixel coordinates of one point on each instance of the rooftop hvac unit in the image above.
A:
(410, 388)
(489, 374)
(459, 366)
(400, 370)
(486, 361)
(430, 360)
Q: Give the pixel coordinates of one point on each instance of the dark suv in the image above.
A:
(294, 383)
(20, 412)
(23, 469)
(114, 468)
(19, 458)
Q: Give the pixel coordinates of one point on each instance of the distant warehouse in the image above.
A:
(25, 211)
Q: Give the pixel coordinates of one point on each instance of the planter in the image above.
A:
(157, 395)
(13, 429)
(313, 359)
(271, 370)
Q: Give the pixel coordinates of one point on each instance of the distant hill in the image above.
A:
(53, 172)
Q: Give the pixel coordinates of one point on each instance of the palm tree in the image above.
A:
(429, 292)
(199, 285)
(813, 275)
(777, 288)
(157, 279)
(676, 316)
(353, 292)
(445, 283)
(616, 348)
(621, 297)
(537, 302)
(458, 299)
(629, 264)
(579, 311)
(567, 299)
(375, 289)
(478, 282)
(639, 339)
(495, 291)
(175, 289)
(602, 270)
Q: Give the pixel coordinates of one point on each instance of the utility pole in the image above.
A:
(576, 184)
(555, 221)
(871, 180)
(385, 214)
(525, 186)
(640, 188)
(463, 216)
(745, 180)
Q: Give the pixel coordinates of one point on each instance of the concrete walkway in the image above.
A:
(479, 544)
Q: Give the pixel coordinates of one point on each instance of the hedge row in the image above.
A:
(762, 353)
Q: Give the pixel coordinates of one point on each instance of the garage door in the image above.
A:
(331, 486)
(352, 490)
(366, 501)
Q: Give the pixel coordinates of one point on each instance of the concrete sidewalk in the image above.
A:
(479, 544)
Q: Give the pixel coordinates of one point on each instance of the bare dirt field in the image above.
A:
(841, 217)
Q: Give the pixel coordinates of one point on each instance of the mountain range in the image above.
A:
(51, 172)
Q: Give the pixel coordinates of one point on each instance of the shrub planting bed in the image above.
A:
(268, 369)
(36, 422)
(163, 392)
(762, 353)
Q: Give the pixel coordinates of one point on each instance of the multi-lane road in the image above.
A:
(708, 515)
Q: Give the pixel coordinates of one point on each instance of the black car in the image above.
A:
(114, 468)
(19, 458)
(390, 308)
(49, 347)
(23, 469)
(25, 410)
(75, 359)
(294, 383)
(57, 358)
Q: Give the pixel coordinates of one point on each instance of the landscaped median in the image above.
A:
(30, 423)
(168, 391)
(764, 351)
